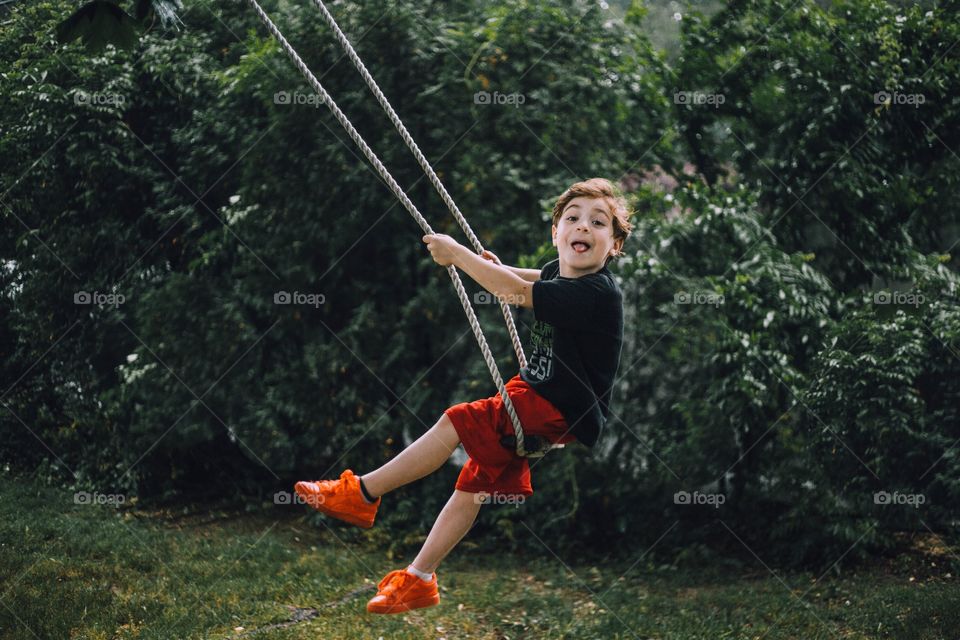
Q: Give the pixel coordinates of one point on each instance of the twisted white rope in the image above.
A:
(409, 206)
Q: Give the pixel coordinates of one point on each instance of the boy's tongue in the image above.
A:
(580, 247)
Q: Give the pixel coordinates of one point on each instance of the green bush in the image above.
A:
(759, 368)
(841, 118)
(198, 197)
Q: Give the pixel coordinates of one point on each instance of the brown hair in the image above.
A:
(602, 189)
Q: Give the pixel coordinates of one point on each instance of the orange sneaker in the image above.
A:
(340, 499)
(400, 591)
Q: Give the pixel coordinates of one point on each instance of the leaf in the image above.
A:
(98, 24)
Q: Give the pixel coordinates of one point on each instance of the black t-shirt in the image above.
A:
(576, 339)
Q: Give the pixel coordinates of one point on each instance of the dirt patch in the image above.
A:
(302, 614)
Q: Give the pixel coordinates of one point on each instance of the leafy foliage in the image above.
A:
(98, 23)
(843, 119)
(102, 22)
(776, 354)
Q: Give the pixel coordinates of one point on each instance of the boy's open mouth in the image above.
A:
(579, 246)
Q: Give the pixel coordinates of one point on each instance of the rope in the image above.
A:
(424, 163)
(409, 206)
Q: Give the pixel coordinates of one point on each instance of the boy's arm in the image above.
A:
(498, 279)
(530, 275)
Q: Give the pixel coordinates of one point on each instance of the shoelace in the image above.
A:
(327, 485)
(394, 581)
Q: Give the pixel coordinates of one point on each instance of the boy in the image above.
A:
(563, 393)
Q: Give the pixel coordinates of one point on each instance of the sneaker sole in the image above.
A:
(401, 607)
(340, 515)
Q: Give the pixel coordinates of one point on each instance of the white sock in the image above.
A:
(426, 577)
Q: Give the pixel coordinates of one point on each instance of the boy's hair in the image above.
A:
(605, 190)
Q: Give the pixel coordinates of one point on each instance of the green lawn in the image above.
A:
(93, 572)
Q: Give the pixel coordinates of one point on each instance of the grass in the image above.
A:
(71, 571)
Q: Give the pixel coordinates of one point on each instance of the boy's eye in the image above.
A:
(599, 222)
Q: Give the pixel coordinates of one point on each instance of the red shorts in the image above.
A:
(493, 468)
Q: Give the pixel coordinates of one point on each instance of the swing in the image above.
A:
(529, 447)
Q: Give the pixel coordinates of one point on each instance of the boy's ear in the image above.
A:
(617, 247)
(553, 234)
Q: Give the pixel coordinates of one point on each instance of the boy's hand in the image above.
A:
(489, 255)
(443, 248)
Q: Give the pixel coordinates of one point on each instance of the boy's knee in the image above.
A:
(469, 499)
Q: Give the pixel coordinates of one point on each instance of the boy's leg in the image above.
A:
(452, 524)
(423, 457)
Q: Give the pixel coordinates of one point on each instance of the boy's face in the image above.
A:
(584, 237)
